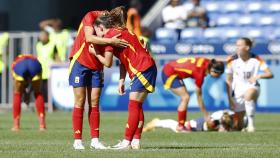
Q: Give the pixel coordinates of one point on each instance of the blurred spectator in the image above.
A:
(196, 15)
(145, 38)
(4, 37)
(61, 37)
(47, 54)
(174, 15)
(133, 18)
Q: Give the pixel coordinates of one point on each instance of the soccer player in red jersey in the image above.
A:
(27, 69)
(86, 77)
(137, 62)
(173, 74)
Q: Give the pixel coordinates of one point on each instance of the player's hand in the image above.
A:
(232, 104)
(115, 41)
(121, 88)
(253, 79)
(92, 49)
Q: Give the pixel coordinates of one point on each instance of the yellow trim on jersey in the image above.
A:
(169, 81)
(132, 48)
(141, 77)
(184, 70)
(17, 77)
(80, 27)
(75, 57)
(200, 62)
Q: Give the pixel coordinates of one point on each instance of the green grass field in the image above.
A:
(57, 140)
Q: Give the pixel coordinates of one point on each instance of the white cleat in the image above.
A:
(123, 145)
(78, 145)
(250, 129)
(135, 144)
(97, 145)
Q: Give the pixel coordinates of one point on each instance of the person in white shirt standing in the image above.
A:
(174, 15)
(242, 82)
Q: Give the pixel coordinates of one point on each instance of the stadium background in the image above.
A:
(228, 21)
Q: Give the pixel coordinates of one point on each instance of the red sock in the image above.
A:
(40, 106)
(16, 108)
(138, 131)
(133, 119)
(77, 120)
(182, 117)
(94, 119)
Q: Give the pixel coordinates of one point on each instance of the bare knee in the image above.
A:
(185, 98)
(80, 100)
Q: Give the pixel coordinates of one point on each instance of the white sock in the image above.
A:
(168, 123)
(126, 142)
(77, 140)
(135, 141)
(94, 140)
(250, 112)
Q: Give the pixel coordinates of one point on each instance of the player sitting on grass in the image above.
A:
(219, 121)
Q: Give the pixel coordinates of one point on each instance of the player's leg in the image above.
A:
(136, 100)
(79, 80)
(183, 105)
(238, 120)
(250, 97)
(39, 103)
(157, 123)
(18, 90)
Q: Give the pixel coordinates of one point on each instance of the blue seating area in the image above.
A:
(231, 19)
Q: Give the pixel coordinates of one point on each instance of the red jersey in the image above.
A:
(195, 68)
(80, 47)
(22, 57)
(135, 57)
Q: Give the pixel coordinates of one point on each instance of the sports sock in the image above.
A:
(94, 121)
(250, 112)
(133, 119)
(77, 120)
(182, 117)
(40, 106)
(139, 129)
(16, 109)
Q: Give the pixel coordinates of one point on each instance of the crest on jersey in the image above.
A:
(77, 79)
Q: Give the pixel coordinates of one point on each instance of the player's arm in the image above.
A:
(229, 79)
(200, 101)
(90, 38)
(106, 60)
(267, 74)
(121, 87)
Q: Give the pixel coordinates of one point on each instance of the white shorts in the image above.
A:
(239, 96)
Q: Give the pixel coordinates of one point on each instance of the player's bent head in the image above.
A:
(216, 68)
(227, 121)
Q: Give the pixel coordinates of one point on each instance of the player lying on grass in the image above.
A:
(242, 82)
(137, 62)
(26, 69)
(173, 74)
(219, 121)
(86, 77)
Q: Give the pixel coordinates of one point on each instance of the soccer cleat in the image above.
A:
(78, 145)
(123, 145)
(150, 125)
(250, 129)
(97, 145)
(135, 144)
(182, 129)
(15, 129)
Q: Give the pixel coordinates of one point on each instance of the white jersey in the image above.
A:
(242, 71)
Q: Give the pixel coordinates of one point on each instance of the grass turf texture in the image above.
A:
(57, 140)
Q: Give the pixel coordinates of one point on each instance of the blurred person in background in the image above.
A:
(197, 16)
(242, 82)
(26, 69)
(61, 37)
(221, 121)
(173, 74)
(133, 17)
(174, 16)
(4, 38)
(47, 54)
